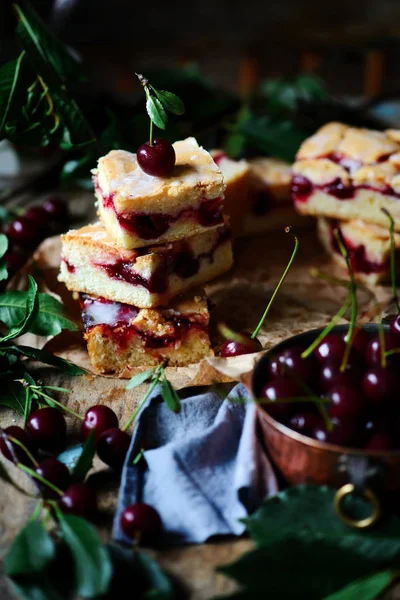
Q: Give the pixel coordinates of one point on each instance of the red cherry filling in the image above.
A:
(235, 348)
(157, 159)
(142, 520)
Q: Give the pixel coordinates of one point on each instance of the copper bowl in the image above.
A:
(301, 459)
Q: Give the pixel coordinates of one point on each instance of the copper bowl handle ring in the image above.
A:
(347, 490)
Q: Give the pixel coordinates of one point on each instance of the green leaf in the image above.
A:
(169, 395)
(12, 394)
(158, 585)
(9, 74)
(277, 138)
(170, 102)
(138, 379)
(31, 308)
(156, 112)
(32, 550)
(3, 250)
(47, 358)
(92, 562)
(4, 476)
(85, 460)
(50, 319)
(367, 588)
(37, 588)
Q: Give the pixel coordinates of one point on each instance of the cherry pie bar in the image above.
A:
(139, 209)
(121, 336)
(348, 173)
(94, 264)
(236, 175)
(368, 246)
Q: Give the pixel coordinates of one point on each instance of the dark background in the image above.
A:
(353, 44)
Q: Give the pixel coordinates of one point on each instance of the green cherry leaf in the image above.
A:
(367, 588)
(32, 550)
(85, 460)
(156, 112)
(92, 563)
(169, 395)
(31, 309)
(170, 102)
(138, 379)
(48, 359)
(3, 250)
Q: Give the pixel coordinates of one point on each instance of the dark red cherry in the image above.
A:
(345, 401)
(112, 446)
(233, 348)
(100, 418)
(210, 213)
(15, 259)
(56, 209)
(381, 440)
(80, 500)
(37, 214)
(48, 429)
(56, 473)
(278, 389)
(373, 349)
(360, 340)
(380, 384)
(331, 347)
(150, 227)
(141, 520)
(304, 422)
(344, 432)
(25, 232)
(395, 326)
(22, 436)
(331, 374)
(290, 361)
(157, 160)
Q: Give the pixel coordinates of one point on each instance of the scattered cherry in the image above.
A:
(37, 214)
(345, 401)
(22, 436)
(290, 361)
(247, 346)
(112, 447)
(25, 232)
(56, 473)
(331, 347)
(157, 159)
(15, 259)
(380, 384)
(80, 500)
(100, 418)
(142, 520)
(48, 429)
(56, 209)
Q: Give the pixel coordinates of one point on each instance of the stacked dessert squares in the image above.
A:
(258, 194)
(138, 270)
(345, 176)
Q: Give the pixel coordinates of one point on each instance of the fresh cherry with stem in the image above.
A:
(17, 445)
(48, 429)
(56, 473)
(112, 447)
(79, 499)
(345, 401)
(237, 344)
(100, 418)
(141, 522)
(380, 384)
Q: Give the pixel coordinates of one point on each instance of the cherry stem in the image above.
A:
(26, 407)
(231, 335)
(24, 448)
(392, 351)
(156, 378)
(35, 475)
(282, 279)
(151, 133)
(392, 259)
(382, 345)
(327, 329)
(36, 513)
(353, 292)
(57, 403)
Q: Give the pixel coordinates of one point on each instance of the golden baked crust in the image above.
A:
(274, 173)
(321, 171)
(89, 255)
(110, 353)
(323, 142)
(195, 177)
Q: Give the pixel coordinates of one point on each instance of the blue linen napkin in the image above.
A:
(203, 469)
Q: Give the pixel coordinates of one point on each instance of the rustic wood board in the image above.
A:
(240, 298)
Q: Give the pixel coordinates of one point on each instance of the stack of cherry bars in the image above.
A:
(157, 239)
(349, 177)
